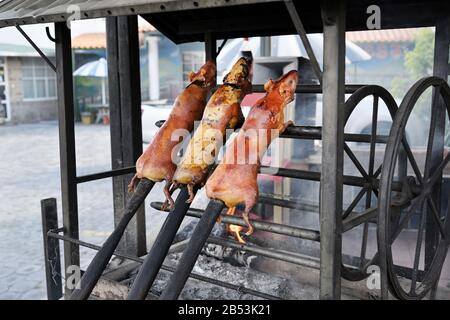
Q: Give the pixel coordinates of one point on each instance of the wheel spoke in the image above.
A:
(354, 202)
(438, 172)
(377, 172)
(355, 160)
(431, 134)
(365, 230)
(375, 191)
(406, 218)
(373, 135)
(418, 248)
(436, 216)
(412, 160)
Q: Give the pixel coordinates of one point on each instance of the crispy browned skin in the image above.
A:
(222, 111)
(235, 179)
(156, 162)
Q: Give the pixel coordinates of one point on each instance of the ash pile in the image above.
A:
(245, 271)
(233, 266)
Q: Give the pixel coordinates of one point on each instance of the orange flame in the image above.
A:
(234, 229)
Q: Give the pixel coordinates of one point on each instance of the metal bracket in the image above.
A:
(42, 54)
(302, 33)
(49, 36)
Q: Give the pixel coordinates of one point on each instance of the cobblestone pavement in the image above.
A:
(29, 172)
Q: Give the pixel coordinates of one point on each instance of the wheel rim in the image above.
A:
(387, 232)
(357, 273)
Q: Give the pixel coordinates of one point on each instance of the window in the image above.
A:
(192, 61)
(39, 81)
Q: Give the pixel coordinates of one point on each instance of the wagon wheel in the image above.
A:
(369, 172)
(415, 280)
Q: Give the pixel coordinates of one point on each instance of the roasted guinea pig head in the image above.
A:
(205, 76)
(240, 74)
(284, 86)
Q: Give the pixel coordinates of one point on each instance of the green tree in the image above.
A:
(419, 61)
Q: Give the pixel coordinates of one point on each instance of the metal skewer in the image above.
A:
(155, 258)
(194, 248)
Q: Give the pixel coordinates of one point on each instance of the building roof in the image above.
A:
(97, 40)
(186, 21)
(15, 50)
(391, 35)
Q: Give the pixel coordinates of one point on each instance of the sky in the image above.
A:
(37, 33)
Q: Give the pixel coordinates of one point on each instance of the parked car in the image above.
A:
(150, 115)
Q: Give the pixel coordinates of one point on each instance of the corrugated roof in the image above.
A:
(392, 35)
(186, 21)
(38, 11)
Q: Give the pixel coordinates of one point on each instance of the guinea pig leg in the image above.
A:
(133, 183)
(287, 124)
(245, 215)
(191, 193)
(167, 192)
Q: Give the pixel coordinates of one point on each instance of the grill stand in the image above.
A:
(155, 258)
(101, 259)
(190, 255)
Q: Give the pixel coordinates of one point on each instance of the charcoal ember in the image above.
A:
(186, 232)
(235, 257)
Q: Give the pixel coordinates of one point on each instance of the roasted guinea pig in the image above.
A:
(156, 163)
(234, 181)
(222, 111)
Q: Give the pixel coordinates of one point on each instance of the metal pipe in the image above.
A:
(259, 225)
(166, 268)
(315, 133)
(105, 174)
(287, 203)
(302, 33)
(298, 259)
(155, 258)
(39, 51)
(316, 176)
(356, 220)
(311, 88)
(101, 259)
(190, 255)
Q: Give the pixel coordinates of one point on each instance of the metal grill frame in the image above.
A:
(128, 123)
